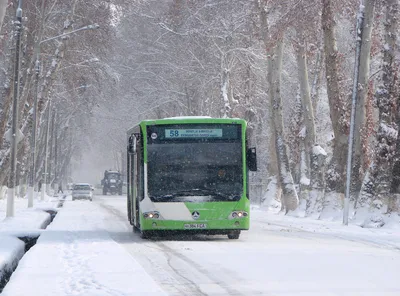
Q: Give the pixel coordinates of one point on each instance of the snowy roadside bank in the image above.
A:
(386, 237)
(15, 232)
(77, 256)
(11, 251)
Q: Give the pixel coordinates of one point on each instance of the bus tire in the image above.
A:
(144, 234)
(129, 212)
(234, 234)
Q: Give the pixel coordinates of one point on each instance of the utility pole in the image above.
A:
(15, 133)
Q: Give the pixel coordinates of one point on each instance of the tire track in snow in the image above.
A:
(175, 272)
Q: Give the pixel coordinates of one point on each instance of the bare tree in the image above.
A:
(360, 125)
(337, 105)
(378, 181)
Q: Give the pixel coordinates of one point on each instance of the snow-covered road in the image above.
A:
(273, 258)
(90, 249)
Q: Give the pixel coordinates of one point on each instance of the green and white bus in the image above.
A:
(189, 174)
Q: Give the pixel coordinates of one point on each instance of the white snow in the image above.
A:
(11, 250)
(317, 149)
(303, 132)
(386, 47)
(305, 181)
(76, 256)
(90, 249)
(388, 130)
(26, 222)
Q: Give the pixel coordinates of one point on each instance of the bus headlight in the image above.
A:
(238, 214)
(151, 215)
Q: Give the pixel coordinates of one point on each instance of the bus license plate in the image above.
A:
(195, 226)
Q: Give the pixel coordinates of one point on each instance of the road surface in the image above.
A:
(270, 259)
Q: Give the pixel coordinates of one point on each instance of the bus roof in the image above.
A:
(186, 119)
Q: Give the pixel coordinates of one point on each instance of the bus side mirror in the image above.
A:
(252, 159)
(132, 144)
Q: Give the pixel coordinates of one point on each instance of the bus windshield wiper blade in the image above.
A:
(172, 195)
(214, 193)
(196, 192)
(209, 192)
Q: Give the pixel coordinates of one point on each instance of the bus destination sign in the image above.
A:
(193, 133)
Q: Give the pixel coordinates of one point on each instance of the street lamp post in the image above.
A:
(34, 115)
(15, 135)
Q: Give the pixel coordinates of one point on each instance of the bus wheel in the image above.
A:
(129, 212)
(144, 234)
(234, 234)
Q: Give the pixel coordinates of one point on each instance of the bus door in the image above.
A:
(138, 176)
(133, 178)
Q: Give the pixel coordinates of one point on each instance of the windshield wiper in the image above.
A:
(196, 192)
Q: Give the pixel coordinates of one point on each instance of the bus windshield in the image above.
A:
(194, 169)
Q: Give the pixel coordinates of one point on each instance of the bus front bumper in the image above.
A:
(204, 226)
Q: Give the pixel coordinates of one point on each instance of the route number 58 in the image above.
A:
(173, 133)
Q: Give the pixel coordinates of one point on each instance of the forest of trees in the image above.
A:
(290, 68)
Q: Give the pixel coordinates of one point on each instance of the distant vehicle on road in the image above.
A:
(112, 182)
(82, 191)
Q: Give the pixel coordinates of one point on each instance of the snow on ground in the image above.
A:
(11, 250)
(90, 249)
(389, 236)
(278, 256)
(26, 222)
(76, 256)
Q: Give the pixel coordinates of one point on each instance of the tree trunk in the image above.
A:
(360, 136)
(308, 112)
(337, 107)
(273, 169)
(316, 83)
(3, 8)
(226, 108)
(317, 181)
(51, 146)
(395, 185)
(385, 97)
(394, 93)
(289, 198)
(313, 162)
(378, 185)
